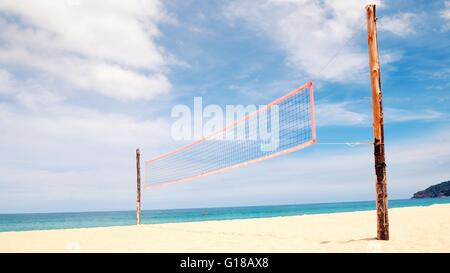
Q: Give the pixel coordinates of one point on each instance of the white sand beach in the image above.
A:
(413, 229)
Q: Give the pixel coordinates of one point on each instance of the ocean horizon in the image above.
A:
(66, 220)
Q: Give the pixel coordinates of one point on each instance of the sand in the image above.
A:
(413, 229)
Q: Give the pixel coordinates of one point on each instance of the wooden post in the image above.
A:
(138, 198)
(378, 131)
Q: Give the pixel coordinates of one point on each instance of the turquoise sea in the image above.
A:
(44, 221)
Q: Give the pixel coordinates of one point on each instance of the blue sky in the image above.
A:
(83, 83)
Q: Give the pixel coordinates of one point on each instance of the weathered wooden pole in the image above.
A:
(378, 131)
(138, 198)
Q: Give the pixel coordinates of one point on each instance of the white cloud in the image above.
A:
(6, 82)
(38, 99)
(108, 79)
(440, 74)
(76, 123)
(311, 32)
(445, 15)
(103, 46)
(352, 114)
(400, 24)
(26, 92)
(389, 57)
(402, 115)
(61, 157)
(329, 114)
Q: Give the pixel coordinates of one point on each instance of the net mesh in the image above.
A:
(289, 121)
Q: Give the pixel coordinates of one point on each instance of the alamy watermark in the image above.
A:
(243, 123)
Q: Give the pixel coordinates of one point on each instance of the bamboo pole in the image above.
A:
(138, 197)
(378, 130)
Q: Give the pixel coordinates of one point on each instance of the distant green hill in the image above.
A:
(439, 190)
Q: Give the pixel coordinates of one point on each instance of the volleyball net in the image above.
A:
(280, 127)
